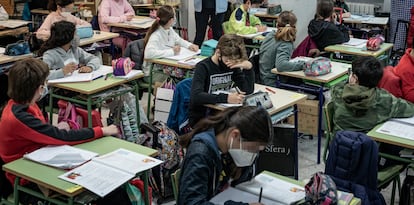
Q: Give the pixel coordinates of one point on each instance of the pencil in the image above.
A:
(260, 194)
(270, 90)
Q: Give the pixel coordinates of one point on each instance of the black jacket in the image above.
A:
(327, 33)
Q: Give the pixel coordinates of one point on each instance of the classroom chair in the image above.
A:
(175, 180)
(6, 188)
(328, 111)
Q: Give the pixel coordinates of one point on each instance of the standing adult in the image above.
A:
(209, 11)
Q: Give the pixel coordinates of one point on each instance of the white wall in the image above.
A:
(303, 9)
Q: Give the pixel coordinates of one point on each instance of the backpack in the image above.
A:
(317, 66)
(321, 189)
(135, 51)
(122, 66)
(374, 43)
(407, 191)
(165, 140)
(68, 119)
(81, 115)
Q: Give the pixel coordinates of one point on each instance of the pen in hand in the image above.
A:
(260, 194)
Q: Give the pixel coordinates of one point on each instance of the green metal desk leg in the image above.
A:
(16, 190)
(146, 193)
(89, 107)
(150, 90)
(136, 93)
(51, 105)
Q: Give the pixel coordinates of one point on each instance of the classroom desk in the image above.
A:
(98, 36)
(319, 84)
(225, 196)
(90, 89)
(371, 20)
(38, 15)
(149, 7)
(48, 176)
(281, 100)
(264, 15)
(13, 27)
(7, 61)
(339, 48)
(135, 26)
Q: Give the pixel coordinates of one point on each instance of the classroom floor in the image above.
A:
(307, 160)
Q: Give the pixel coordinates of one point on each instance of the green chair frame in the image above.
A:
(175, 181)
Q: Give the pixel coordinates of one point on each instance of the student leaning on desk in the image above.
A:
(24, 129)
(226, 142)
(241, 22)
(360, 105)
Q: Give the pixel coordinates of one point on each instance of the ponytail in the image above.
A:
(286, 29)
(164, 14)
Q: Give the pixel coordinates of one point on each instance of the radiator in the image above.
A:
(361, 9)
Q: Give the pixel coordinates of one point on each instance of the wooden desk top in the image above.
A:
(139, 22)
(359, 51)
(8, 59)
(48, 176)
(14, 31)
(172, 63)
(98, 37)
(389, 139)
(95, 86)
(153, 6)
(265, 15)
(281, 99)
(40, 11)
(371, 20)
(338, 70)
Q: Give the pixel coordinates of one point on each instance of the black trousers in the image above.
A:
(202, 19)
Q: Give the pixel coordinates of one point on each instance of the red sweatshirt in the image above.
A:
(405, 70)
(24, 129)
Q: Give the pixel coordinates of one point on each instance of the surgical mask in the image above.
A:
(75, 41)
(174, 23)
(241, 158)
(44, 92)
(222, 64)
(65, 13)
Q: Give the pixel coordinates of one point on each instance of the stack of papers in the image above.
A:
(190, 61)
(185, 53)
(131, 74)
(399, 127)
(144, 22)
(355, 42)
(83, 77)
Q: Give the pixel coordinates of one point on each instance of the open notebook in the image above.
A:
(185, 53)
(83, 77)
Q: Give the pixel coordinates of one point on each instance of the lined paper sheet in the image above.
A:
(397, 129)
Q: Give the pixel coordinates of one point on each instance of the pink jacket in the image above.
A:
(113, 11)
(44, 31)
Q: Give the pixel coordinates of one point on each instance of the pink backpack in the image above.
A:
(122, 66)
(318, 66)
(68, 119)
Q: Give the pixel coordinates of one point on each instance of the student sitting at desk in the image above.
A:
(404, 70)
(227, 65)
(323, 29)
(61, 10)
(62, 54)
(277, 47)
(240, 132)
(23, 127)
(241, 22)
(115, 11)
(162, 41)
(360, 105)
(345, 9)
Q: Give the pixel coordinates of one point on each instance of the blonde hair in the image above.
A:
(286, 26)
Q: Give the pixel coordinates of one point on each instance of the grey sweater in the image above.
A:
(57, 58)
(276, 54)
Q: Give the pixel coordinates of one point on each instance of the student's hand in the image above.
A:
(129, 17)
(85, 69)
(69, 68)
(193, 47)
(314, 52)
(235, 98)
(110, 130)
(261, 28)
(346, 15)
(176, 49)
(243, 65)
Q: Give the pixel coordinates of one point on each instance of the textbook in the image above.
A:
(399, 127)
(83, 77)
(344, 198)
(274, 191)
(63, 157)
(105, 173)
(185, 53)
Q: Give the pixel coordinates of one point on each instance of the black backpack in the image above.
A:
(135, 51)
(407, 191)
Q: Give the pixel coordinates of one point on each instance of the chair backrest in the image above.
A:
(175, 180)
(135, 51)
(6, 187)
(178, 117)
(391, 82)
(353, 157)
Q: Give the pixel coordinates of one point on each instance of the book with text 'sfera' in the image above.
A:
(105, 173)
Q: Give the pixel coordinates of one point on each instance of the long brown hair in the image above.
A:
(254, 124)
(286, 26)
(52, 5)
(164, 14)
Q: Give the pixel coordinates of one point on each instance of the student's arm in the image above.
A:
(200, 81)
(43, 32)
(128, 10)
(153, 48)
(399, 107)
(105, 16)
(88, 59)
(180, 41)
(77, 21)
(244, 79)
(238, 23)
(283, 53)
(54, 73)
(254, 20)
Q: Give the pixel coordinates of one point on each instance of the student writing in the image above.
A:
(241, 22)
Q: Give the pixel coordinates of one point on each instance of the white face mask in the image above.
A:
(241, 158)
(65, 13)
(44, 92)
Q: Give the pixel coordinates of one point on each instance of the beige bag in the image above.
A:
(3, 14)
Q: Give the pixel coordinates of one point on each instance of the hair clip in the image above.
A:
(287, 25)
